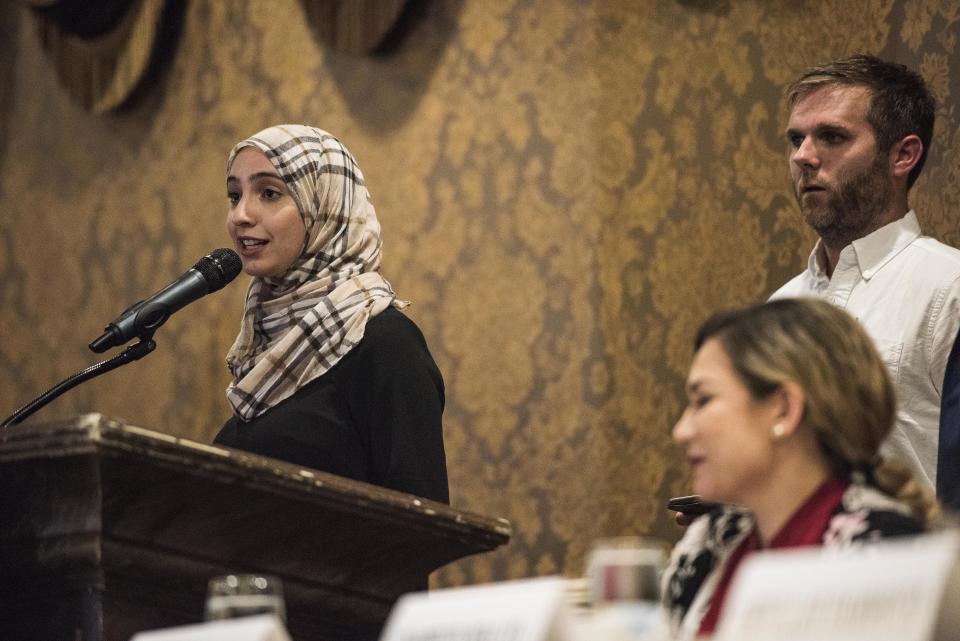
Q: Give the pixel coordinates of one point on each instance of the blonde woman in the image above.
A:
(788, 404)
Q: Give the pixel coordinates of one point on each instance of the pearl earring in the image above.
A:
(778, 430)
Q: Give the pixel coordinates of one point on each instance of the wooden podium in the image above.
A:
(107, 529)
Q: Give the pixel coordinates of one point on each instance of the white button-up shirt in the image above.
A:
(905, 289)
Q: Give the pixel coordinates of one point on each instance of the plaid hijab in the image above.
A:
(297, 326)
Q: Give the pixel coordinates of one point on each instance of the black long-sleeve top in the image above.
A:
(375, 416)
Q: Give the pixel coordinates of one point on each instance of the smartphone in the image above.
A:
(692, 504)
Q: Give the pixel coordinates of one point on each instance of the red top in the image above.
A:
(805, 528)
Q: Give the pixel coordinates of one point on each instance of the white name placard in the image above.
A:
(904, 589)
(526, 610)
(262, 627)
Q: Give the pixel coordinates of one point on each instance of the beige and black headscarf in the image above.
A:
(297, 326)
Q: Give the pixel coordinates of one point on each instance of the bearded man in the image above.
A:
(860, 129)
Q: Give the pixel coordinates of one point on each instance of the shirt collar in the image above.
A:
(874, 250)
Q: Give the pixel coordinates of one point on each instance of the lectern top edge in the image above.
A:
(94, 432)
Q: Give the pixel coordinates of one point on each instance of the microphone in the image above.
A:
(210, 274)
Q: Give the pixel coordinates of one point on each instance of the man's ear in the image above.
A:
(905, 155)
(789, 402)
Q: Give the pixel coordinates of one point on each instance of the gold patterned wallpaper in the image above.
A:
(567, 188)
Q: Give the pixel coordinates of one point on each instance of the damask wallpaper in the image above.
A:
(566, 187)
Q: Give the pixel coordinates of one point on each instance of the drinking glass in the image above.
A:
(626, 569)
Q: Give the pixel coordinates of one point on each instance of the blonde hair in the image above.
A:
(850, 403)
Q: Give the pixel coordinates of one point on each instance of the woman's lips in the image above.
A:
(249, 246)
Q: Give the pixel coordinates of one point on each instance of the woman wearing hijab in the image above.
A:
(789, 402)
(327, 372)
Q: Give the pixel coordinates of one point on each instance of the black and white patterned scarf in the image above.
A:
(698, 560)
(297, 326)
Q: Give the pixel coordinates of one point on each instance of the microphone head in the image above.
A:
(219, 267)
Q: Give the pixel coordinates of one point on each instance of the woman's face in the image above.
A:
(263, 220)
(726, 432)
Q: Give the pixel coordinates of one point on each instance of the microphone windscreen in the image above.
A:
(219, 267)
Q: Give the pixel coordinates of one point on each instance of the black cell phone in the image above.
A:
(692, 504)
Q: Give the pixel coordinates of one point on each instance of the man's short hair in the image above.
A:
(900, 102)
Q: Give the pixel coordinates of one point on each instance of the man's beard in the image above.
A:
(851, 208)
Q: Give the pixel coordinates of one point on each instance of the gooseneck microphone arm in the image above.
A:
(211, 273)
(132, 353)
